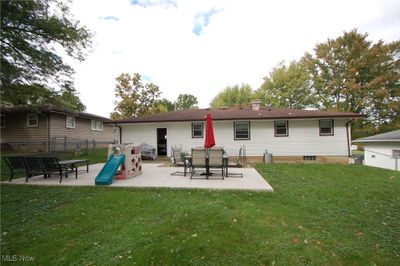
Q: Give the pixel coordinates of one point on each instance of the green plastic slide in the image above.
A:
(108, 171)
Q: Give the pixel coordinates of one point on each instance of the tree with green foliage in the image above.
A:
(288, 87)
(133, 97)
(353, 74)
(68, 98)
(185, 101)
(162, 106)
(233, 95)
(31, 32)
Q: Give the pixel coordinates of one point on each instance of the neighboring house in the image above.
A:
(289, 134)
(382, 150)
(45, 128)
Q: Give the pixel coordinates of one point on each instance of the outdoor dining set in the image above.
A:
(205, 160)
(207, 157)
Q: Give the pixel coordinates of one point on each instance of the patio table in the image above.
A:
(73, 165)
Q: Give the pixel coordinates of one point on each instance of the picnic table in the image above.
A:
(74, 163)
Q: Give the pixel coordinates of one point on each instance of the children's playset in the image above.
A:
(124, 161)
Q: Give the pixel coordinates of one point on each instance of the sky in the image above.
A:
(201, 47)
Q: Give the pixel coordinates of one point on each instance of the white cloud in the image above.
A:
(238, 44)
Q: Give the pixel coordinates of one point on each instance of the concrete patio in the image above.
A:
(157, 175)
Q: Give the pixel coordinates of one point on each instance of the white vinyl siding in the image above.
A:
(32, 120)
(304, 138)
(380, 154)
(70, 121)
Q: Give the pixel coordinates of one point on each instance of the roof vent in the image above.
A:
(268, 107)
(255, 104)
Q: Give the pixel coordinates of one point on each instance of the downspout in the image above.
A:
(348, 138)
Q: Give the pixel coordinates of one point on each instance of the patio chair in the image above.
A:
(198, 160)
(15, 164)
(234, 164)
(176, 156)
(177, 161)
(34, 167)
(216, 159)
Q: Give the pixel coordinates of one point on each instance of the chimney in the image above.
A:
(255, 104)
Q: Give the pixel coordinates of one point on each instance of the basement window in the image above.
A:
(396, 153)
(309, 158)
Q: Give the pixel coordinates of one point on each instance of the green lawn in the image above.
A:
(318, 214)
(94, 156)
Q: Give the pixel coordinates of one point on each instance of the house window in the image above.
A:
(97, 125)
(32, 120)
(396, 153)
(281, 128)
(2, 121)
(309, 158)
(242, 130)
(326, 127)
(197, 130)
(70, 121)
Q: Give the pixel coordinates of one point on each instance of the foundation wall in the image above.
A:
(299, 159)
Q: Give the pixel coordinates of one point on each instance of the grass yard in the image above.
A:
(97, 156)
(318, 214)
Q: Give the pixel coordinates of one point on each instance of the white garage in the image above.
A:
(382, 150)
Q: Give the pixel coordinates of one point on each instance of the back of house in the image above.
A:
(291, 135)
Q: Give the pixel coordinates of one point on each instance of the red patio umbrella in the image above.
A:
(210, 140)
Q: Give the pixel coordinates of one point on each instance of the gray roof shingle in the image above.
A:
(393, 136)
(237, 113)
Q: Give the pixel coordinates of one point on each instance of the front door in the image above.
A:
(162, 142)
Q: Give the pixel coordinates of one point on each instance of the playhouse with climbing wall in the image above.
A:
(132, 165)
(124, 161)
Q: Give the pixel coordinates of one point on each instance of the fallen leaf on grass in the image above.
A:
(306, 241)
(319, 245)
(295, 240)
(358, 233)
